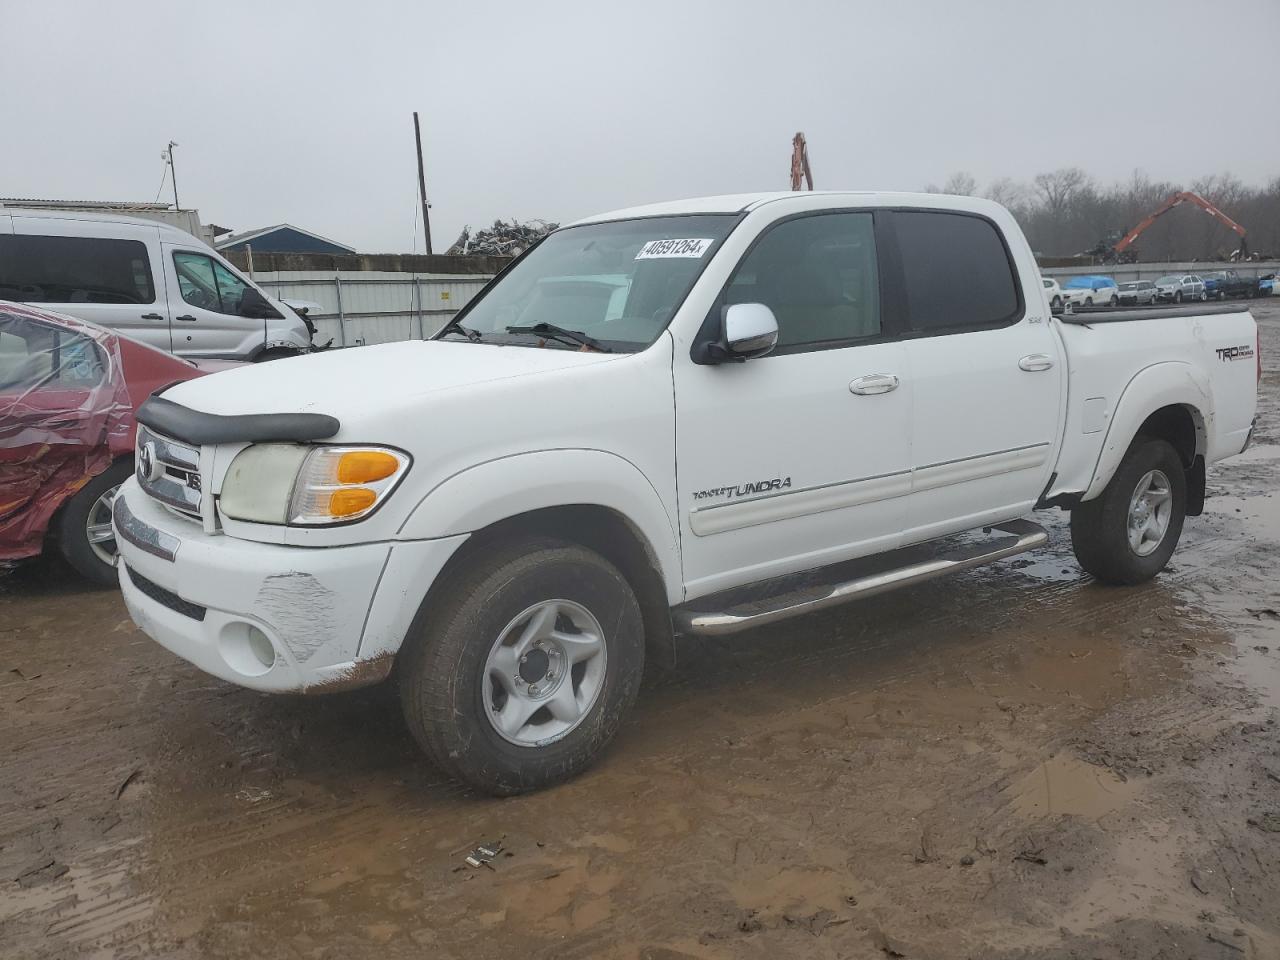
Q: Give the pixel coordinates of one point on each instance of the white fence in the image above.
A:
(357, 308)
(1150, 271)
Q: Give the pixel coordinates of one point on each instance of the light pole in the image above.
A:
(173, 173)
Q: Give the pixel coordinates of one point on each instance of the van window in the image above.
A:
(207, 284)
(957, 272)
(40, 269)
(818, 274)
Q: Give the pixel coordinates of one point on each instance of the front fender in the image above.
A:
(1168, 384)
(509, 486)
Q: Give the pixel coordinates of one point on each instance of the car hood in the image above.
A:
(340, 382)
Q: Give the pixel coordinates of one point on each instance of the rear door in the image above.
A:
(206, 297)
(985, 373)
(105, 273)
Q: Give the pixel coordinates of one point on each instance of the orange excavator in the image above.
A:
(1179, 198)
(800, 172)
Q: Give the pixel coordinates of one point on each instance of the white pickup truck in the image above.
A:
(693, 417)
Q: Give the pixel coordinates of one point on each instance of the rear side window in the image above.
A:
(40, 269)
(957, 272)
(33, 355)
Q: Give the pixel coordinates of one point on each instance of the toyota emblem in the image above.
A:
(149, 467)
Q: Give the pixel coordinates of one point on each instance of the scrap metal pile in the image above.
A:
(503, 239)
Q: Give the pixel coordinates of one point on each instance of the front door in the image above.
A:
(799, 458)
(206, 308)
(986, 376)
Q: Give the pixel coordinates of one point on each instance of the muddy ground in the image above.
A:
(1013, 763)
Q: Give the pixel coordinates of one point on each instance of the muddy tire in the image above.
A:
(524, 667)
(83, 528)
(1127, 533)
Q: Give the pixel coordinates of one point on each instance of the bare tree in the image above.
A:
(1058, 188)
(961, 184)
(1008, 193)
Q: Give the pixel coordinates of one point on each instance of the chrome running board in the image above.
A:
(905, 567)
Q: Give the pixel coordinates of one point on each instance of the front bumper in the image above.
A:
(267, 616)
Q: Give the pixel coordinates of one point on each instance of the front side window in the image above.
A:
(819, 276)
(957, 272)
(42, 269)
(206, 283)
(619, 283)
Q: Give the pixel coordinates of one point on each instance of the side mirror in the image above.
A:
(747, 330)
(254, 305)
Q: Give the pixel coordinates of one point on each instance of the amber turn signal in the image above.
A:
(343, 503)
(366, 466)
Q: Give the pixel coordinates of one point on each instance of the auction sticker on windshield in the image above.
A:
(657, 249)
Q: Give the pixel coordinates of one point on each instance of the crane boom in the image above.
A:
(800, 171)
(1185, 196)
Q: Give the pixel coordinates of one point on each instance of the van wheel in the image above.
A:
(85, 538)
(523, 668)
(1126, 534)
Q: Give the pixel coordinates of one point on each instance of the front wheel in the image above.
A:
(1114, 300)
(85, 538)
(1056, 303)
(1177, 297)
(1088, 301)
(523, 672)
(1127, 533)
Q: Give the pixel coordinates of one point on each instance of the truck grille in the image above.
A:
(169, 471)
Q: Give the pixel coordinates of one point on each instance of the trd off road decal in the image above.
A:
(663, 249)
(1244, 352)
(737, 490)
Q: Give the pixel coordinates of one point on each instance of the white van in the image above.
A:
(148, 280)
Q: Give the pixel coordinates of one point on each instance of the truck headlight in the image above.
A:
(287, 483)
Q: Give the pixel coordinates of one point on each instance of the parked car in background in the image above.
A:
(1095, 291)
(1229, 283)
(1267, 285)
(1137, 292)
(1053, 290)
(68, 392)
(148, 280)
(1178, 287)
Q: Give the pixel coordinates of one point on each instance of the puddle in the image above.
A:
(1067, 785)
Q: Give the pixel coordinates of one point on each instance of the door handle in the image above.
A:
(152, 316)
(1035, 362)
(187, 317)
(873, 384)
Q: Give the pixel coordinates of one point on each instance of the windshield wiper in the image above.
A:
(552, 332)
(453, 326)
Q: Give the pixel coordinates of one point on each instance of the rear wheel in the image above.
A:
(1203, 296)
(1088, 301)
(1114, 300)
(523, 672)
(1056, 303)
(1127, 533)
(85, 538)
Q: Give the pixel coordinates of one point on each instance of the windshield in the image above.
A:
(619, 283)
(1169, 280)
(1128, 286)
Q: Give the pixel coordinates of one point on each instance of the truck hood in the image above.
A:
(339, 382)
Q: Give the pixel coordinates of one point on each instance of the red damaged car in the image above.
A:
(68, 394)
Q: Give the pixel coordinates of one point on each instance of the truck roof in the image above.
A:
(741, 202)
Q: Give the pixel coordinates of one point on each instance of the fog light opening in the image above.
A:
(246, 648)
(261, 647)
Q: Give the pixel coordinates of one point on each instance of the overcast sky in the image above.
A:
(301, 112)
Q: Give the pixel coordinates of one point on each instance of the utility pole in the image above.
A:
(173, 173)
(422, 183)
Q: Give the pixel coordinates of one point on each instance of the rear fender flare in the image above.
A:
(1167, 384)
(510, 486)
